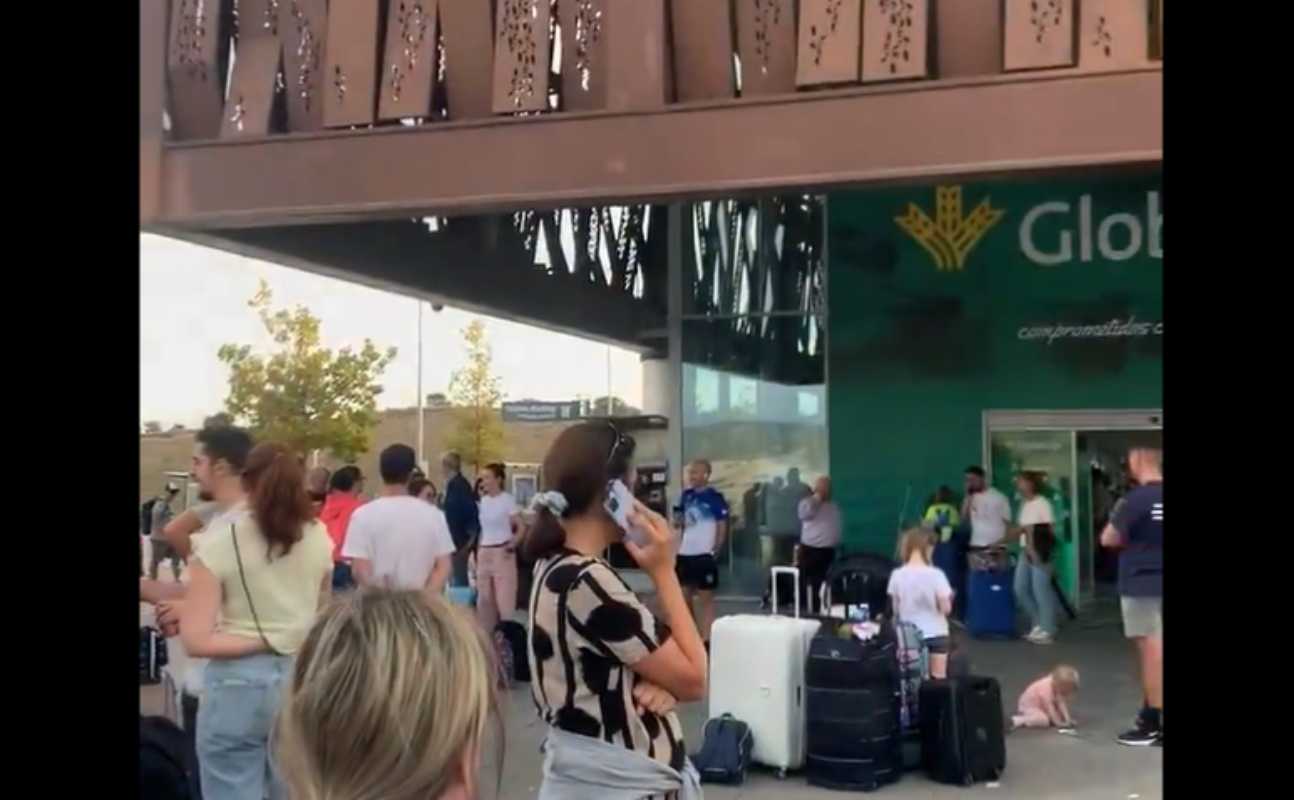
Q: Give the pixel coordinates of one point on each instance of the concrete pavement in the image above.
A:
(1039, 763)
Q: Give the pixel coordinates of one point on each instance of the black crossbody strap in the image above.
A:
(242, 576)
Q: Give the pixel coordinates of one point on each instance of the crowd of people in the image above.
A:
(289, 688)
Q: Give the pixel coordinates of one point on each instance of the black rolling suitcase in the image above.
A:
(852, 712)
(962, 730)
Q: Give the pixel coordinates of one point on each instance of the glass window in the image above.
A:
(753, 256)
(755, 407)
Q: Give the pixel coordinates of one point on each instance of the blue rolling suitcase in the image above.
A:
(990, 603)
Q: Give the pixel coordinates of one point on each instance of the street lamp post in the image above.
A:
(421, 463)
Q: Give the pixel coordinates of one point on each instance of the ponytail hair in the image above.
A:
(579, 464)
(275, 484)
(546, 537)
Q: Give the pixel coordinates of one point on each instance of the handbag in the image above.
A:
(242, 576)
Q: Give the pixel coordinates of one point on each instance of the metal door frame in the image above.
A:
(1074, 421)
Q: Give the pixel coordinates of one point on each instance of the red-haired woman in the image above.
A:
(258, 579)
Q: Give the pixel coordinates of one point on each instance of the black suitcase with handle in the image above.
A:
(852, 712)
(962, 730)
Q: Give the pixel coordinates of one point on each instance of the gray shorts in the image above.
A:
(1142, 616)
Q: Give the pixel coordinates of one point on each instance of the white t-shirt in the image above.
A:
(990, 512)
(916, 591)
(402, 537)
(496, 518)
(1036, 511)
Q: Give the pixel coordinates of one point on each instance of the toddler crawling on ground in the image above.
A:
(1045, 702)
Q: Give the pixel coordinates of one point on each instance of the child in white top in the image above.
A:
(921, 595)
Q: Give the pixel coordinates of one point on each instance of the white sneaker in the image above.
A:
(1042, 637)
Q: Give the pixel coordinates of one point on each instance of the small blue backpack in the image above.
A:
(725, 751)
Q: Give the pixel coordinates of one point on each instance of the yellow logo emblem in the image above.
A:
(949, 237)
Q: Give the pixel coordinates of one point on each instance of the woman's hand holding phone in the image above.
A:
(654, 545)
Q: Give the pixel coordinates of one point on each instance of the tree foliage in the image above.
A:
(303, 394)
(152, 426)
(476, 394)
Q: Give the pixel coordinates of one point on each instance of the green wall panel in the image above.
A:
(948, 301)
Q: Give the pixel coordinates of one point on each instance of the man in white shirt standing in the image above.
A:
(987, 509)
(398, 541)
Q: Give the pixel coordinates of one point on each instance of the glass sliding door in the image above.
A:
(1051, 454)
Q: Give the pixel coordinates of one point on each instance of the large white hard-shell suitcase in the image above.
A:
(757, 675)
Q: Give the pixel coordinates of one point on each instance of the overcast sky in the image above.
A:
(194, 299)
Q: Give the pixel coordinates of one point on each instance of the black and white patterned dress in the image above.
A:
(586, 628)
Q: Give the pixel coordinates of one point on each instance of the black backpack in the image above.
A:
(162, 775)
(725, 751)
(146, 516)
(514, 633)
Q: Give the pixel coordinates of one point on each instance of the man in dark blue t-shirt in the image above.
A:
(460, 512)
(1137, 531)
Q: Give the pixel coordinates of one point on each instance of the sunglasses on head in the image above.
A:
(616, 444)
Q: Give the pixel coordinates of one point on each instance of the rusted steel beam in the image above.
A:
(892, 133)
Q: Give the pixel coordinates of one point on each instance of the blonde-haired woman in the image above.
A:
(389, 698)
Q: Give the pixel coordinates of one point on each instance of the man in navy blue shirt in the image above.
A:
(1137, 531)
(702, 518)
(460, 512)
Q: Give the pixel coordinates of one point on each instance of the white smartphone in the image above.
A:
(618, 504)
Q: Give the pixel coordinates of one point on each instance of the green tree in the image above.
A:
(303, 394)
(475, 393)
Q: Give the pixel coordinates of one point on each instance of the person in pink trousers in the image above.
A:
(1046, 702)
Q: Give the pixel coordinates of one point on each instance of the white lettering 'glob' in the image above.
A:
(1105, 240)
(1062, 253)
(1118, 237)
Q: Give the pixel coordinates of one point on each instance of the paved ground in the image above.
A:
(1039, 763)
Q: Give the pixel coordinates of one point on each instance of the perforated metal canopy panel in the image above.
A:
(766, 46)
(303, 29)
(830, 42)
(896, 40)
(522, 43)
(1039, 34)
(409, 61)
(351, 59)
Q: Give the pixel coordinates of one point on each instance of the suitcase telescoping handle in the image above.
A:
(794, 572)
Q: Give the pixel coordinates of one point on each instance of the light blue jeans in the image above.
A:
(240, 699)
(1033, 593)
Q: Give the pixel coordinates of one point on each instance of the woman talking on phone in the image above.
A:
(606, 673)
